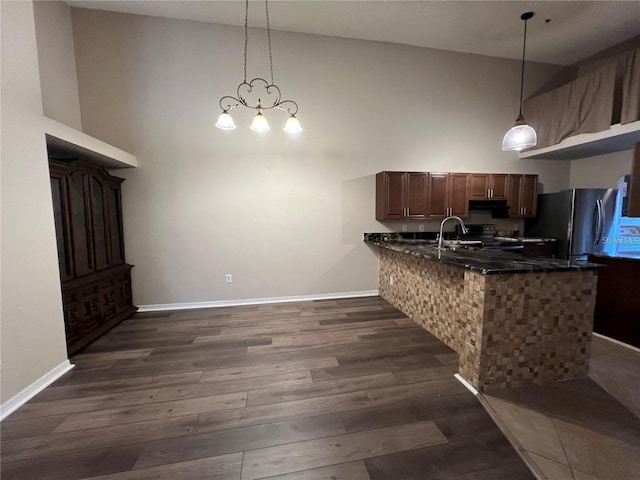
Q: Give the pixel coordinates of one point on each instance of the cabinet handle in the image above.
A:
(525, 210)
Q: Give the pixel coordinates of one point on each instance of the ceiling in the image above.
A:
(576, 29)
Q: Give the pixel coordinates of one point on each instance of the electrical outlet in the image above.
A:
(421, 228)
(404, 228)
(228, 278)
(390, 279)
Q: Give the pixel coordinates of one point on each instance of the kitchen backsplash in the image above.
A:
(502, 224)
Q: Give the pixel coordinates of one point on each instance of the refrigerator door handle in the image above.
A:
(599, 213)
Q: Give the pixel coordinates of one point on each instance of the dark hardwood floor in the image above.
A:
(335, 389)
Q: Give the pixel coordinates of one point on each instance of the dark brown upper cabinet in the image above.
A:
(483, 186)
(522, 196)
(401, 195)
(447, 195)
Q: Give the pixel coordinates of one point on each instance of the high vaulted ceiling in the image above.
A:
(561, 32)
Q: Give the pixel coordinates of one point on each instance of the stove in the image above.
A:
(486, 233)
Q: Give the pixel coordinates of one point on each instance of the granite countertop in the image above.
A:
(484, 261)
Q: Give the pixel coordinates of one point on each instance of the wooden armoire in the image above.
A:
(95, 280)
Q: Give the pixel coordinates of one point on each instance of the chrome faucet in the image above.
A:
(465, 230)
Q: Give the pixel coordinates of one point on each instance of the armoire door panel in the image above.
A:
(99, 228)
(115, 226)
(63, 241)
(80, 226)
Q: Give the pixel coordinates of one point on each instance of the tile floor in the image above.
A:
(582, 429)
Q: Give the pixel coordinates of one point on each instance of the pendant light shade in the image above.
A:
(225, 122)
(521, 135)
(260, 123)
(292, 126)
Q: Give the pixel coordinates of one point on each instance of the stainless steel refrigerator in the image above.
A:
(581, 220)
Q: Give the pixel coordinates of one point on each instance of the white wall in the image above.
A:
(57, 63)
(602, 171)
(31, 309)
(284, 216)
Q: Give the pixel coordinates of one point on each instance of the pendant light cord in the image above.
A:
(524, 46)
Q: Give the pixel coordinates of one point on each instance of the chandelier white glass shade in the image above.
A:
(292, 126)
(225, 122)
(267, 93)
(521, 135)
(260, 123)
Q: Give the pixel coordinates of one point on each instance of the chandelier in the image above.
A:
(521, 135)
(268, 94)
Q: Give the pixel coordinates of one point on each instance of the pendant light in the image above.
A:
(521, 135)
(270, 93)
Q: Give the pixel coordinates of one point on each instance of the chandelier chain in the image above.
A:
(266, 8)
(246, 37)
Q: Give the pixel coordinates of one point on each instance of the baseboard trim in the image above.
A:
(618, 342)
(468, 386)
(254, 301)
(32, 390)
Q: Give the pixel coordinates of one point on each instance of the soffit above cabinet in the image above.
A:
(65, 142)
(618, 137)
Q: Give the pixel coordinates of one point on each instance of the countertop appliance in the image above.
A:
(583, 220)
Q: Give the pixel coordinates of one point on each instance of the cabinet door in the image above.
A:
(438, 195)
(99, 227)
(78, 184)
(416, 195)
(116, 236)
(61, 220)
(522, 195)
(529, 195)
(458, 191)
(390, 196)
(498, 185)
(513, 195)
(478, 186)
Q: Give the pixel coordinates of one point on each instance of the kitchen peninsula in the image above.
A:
(512, 320)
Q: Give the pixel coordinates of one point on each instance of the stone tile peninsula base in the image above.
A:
(508, 329)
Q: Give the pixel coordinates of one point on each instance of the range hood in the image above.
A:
(498, 208)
